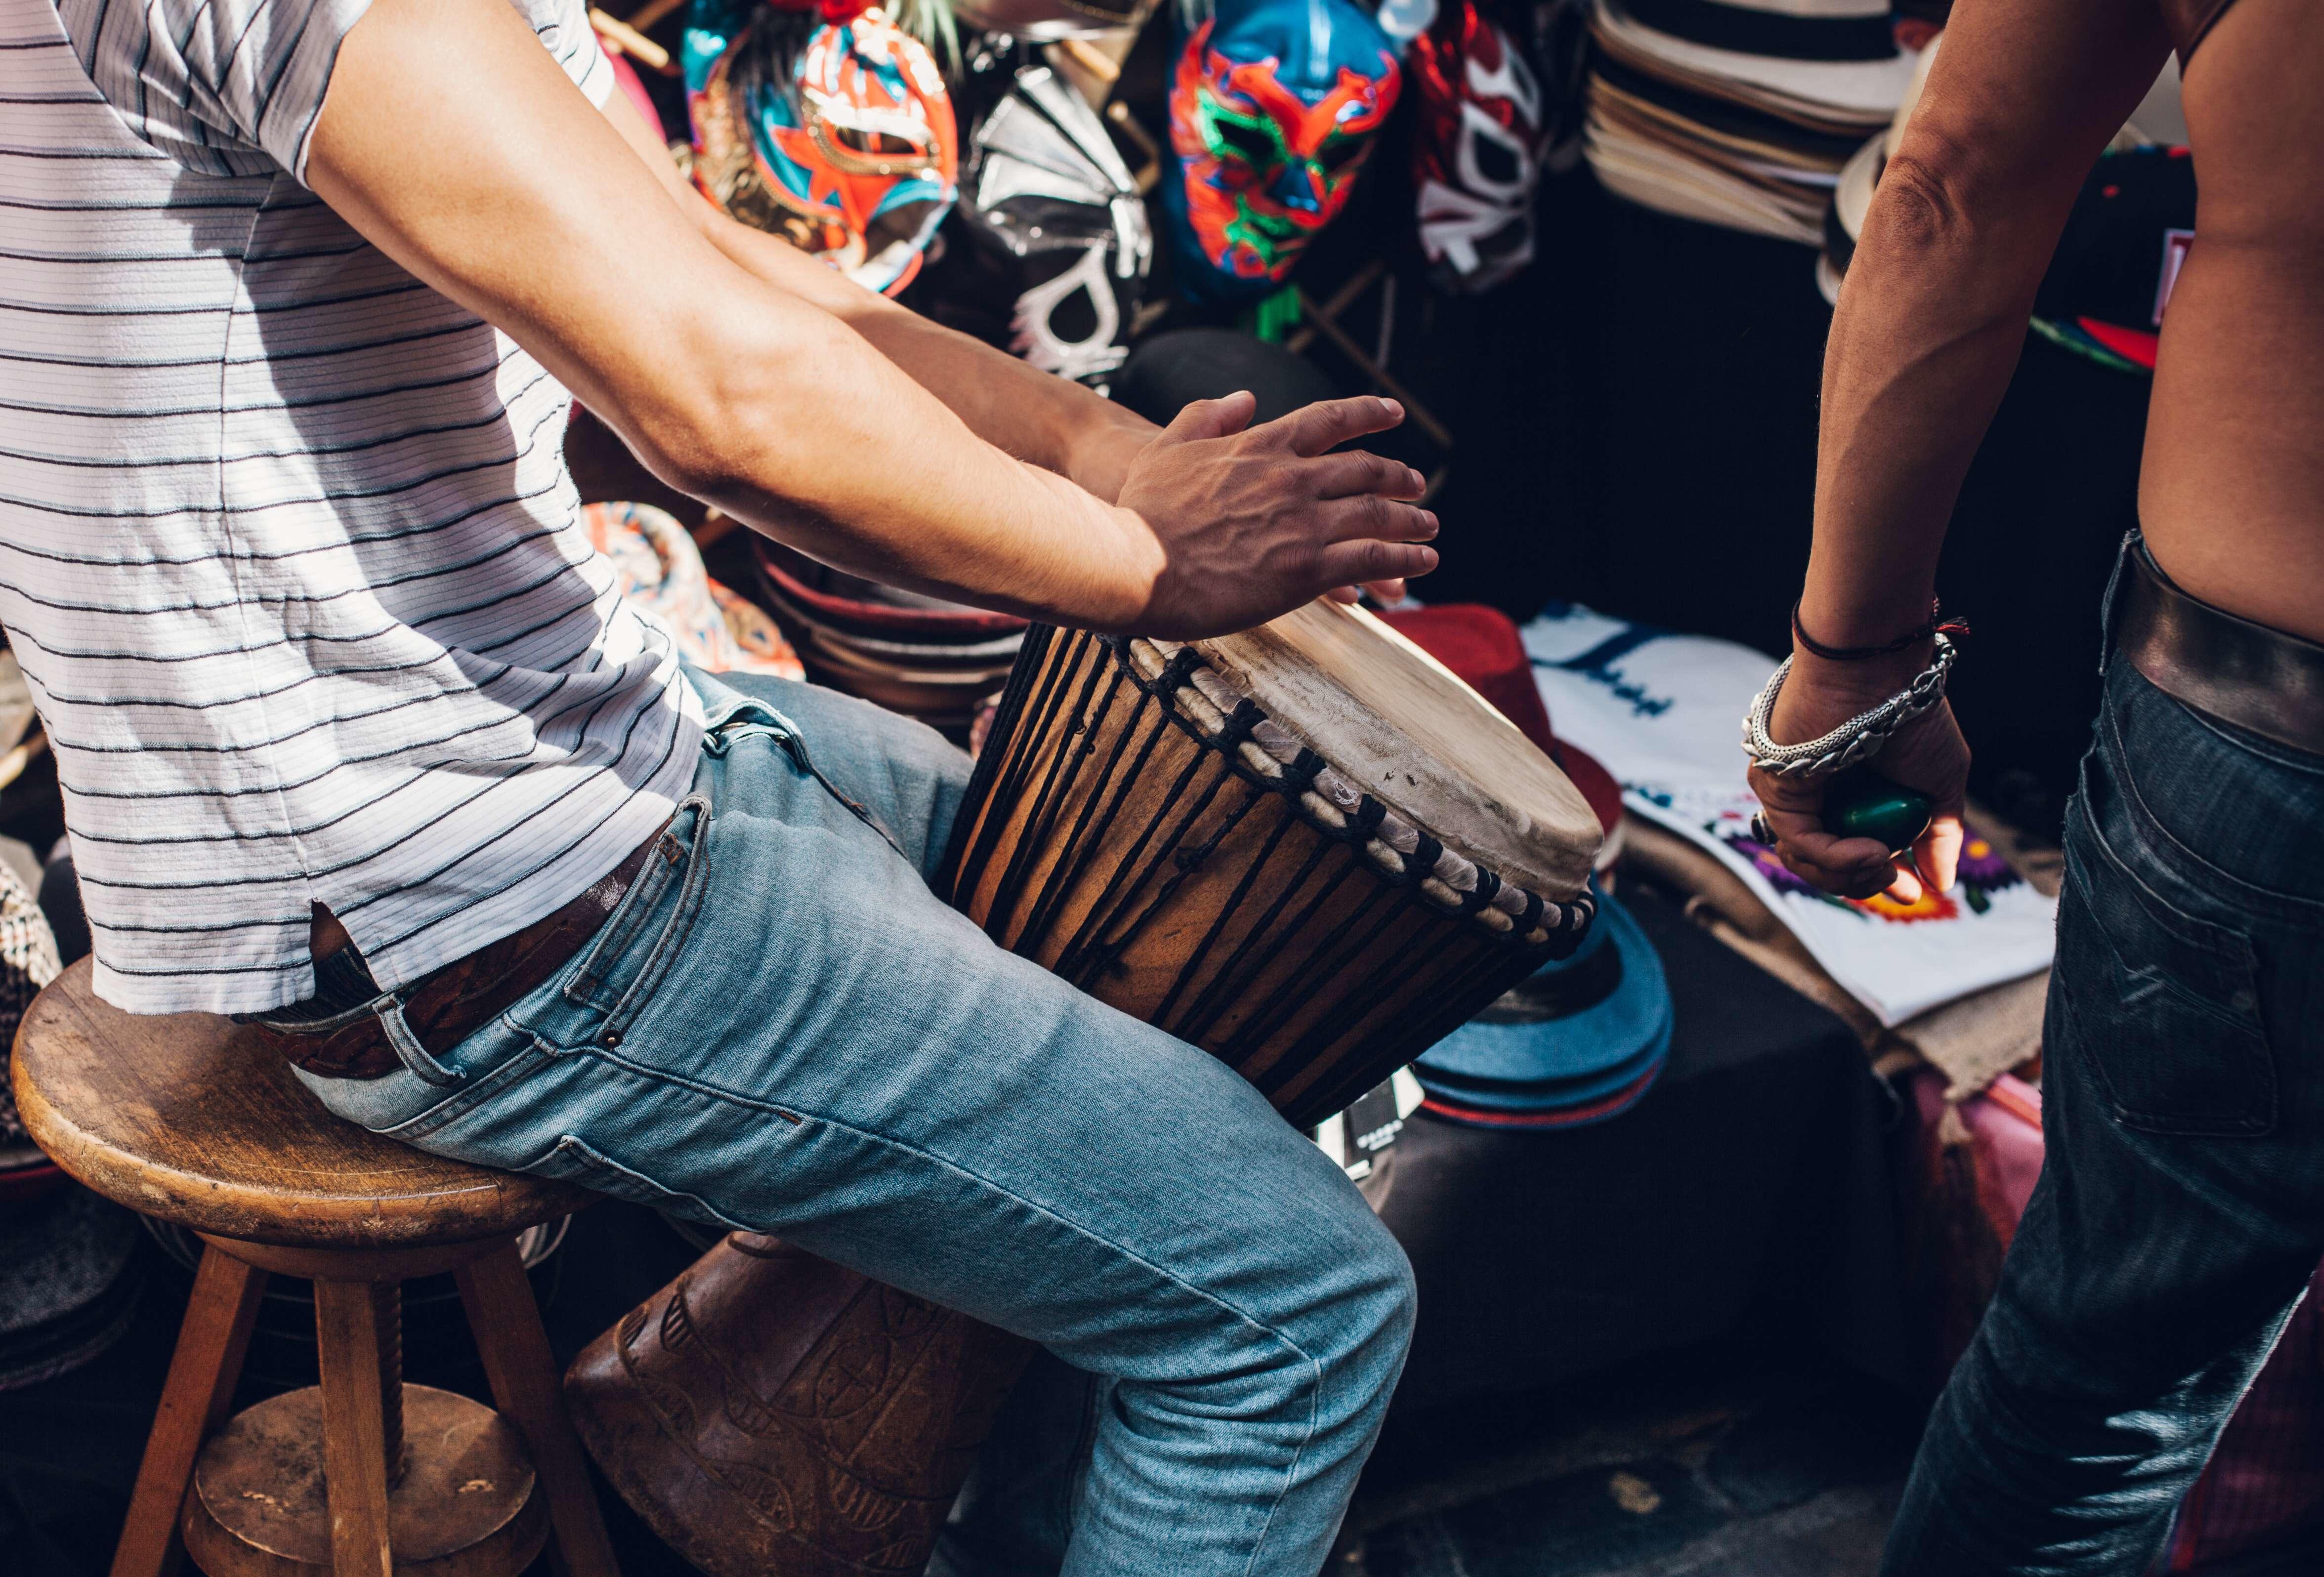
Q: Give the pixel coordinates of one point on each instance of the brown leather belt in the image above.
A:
(445, 1007)
(2249, 674)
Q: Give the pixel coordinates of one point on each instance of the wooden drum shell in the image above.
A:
(1132, 843)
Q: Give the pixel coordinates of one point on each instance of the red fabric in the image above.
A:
(1596, 783)
(2265, 1487)
(1973, 1179)
(1481, 645)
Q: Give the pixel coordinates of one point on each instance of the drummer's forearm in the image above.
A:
(1046, 420)
(1930, 326)
(1038, 545)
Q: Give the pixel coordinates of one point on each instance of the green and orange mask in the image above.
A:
(1275, 106)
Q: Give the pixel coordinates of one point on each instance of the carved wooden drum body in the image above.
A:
(1308, 849)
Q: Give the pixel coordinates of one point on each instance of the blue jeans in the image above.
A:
(2181, 1210)
(782, 1029)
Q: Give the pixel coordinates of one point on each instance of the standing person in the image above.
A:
(2182, 1208)
(356, 737)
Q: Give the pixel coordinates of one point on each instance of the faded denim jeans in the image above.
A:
(2181, 1209)
(782, 1029)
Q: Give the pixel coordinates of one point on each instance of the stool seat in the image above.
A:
(190, 1117)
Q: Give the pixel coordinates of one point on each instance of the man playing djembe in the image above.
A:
(2181, 1210)
(291, 293)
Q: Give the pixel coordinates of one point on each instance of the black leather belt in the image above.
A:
(2242, 673)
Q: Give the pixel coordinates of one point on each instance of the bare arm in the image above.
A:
(453, 141)
(2022, 97)
(1054, 423)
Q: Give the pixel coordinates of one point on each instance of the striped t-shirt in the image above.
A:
(288, 549)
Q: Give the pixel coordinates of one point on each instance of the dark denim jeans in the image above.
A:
(2181, 1210)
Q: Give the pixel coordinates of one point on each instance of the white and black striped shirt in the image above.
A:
(288, 549)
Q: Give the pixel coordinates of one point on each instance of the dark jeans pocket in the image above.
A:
(2163, 1005)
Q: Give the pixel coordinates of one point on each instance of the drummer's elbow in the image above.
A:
(718, 418)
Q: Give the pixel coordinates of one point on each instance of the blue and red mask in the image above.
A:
(828, 125)
(1274, 107)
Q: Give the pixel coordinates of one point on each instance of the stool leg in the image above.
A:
(517, 1359)
(387, 1307)
(349, 1329)
(194, 1402)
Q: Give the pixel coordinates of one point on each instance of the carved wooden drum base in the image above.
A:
(466, 1504)
(773, 1414)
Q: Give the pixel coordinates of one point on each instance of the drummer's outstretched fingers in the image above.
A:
(1360, 472)
(1312, 428)
(1367, 514)
(1369, 560)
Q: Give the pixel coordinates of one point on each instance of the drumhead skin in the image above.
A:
(1402, 727)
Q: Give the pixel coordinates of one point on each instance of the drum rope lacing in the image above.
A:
(1397, 847)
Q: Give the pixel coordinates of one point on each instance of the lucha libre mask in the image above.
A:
(1273, 106)
(1055, 219)
(837, 135)
(1477, 148)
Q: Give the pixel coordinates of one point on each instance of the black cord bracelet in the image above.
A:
(1935, 624)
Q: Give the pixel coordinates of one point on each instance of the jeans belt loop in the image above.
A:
(414, 1056)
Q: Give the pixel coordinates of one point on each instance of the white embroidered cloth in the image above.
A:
(1664, 713)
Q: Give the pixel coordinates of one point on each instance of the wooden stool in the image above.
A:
(189, 1118)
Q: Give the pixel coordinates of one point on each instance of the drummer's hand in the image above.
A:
(1252, 521)
(1928, 755)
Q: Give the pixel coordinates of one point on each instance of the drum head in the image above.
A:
(1403, 728)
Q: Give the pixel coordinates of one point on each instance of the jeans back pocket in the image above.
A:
(2164, 1005)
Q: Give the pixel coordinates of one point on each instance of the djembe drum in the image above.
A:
(1308, 849)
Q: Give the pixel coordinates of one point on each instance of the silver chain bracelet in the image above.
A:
(1859, 739)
